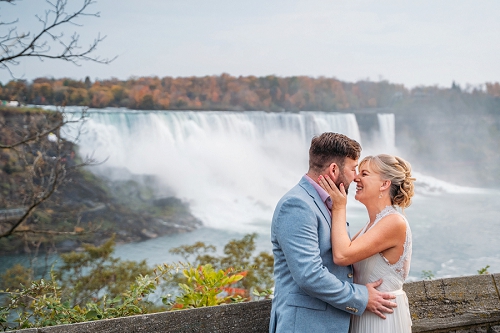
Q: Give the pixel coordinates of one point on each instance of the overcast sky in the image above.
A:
(414, 43)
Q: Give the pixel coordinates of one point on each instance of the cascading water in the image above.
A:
(232, 167)
(387, 132)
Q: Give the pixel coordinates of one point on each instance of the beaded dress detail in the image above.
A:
(378, 267)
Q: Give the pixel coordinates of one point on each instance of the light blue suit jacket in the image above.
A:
(311, 293)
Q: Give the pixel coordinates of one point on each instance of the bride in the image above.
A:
(382, 249)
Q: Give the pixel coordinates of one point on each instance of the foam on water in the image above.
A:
(428, 185)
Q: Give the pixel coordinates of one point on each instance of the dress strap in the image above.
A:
(388, 210)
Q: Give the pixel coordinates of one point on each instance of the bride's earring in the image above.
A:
(380, 196)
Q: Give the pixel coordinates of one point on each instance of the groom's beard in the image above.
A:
(342, 179)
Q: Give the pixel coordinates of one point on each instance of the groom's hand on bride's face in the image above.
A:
(379, 302)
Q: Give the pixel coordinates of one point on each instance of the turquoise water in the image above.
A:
(454, 234)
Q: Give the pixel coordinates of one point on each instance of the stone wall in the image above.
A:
(455, 305)
(462, 304)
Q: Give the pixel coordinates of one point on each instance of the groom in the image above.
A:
(312, 294)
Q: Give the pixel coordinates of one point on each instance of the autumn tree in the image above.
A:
(226, 92)
(493, 89)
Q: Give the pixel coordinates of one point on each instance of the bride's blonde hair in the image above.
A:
(398, 171)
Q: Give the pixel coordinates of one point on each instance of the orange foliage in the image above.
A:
(493, 89)
(223, 92)
(101, 96)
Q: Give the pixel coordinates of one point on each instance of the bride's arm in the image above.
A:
(356, 236)
(386, 234)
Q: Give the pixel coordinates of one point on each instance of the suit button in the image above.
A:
(350, 275)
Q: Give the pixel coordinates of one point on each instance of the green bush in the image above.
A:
(204, 287)
(42, 304)
(237, 255)
(94, 285)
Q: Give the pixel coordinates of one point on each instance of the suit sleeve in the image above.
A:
(297, 233)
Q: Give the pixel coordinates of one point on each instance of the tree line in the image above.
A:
(222, 92)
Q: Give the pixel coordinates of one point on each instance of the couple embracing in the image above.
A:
(326, 281)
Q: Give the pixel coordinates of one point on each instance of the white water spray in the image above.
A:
(232, 167)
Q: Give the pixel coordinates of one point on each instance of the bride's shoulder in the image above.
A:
(395, 220)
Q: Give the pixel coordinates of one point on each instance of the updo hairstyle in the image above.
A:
(398, 171)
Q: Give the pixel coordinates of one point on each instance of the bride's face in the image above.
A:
(368, 183)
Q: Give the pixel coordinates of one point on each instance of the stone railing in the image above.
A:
(455, 305)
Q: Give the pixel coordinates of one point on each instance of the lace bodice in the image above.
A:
(377, 266)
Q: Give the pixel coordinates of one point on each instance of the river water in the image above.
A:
(232, 168)
(454, 234)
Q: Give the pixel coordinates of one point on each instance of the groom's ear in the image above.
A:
(333, 171)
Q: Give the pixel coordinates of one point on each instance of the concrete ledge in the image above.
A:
(454, 305)
(454, 302)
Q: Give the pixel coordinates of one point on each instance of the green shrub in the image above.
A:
(94, 285)
(206, 286)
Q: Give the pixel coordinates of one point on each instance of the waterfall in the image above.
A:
(232, 167)
(387, 131)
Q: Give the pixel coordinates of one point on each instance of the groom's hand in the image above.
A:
(378, 302)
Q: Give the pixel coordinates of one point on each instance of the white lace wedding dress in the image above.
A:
(393, 275)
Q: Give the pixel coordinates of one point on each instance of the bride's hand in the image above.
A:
(338, 195)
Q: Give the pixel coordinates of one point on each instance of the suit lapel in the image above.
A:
(304, 183)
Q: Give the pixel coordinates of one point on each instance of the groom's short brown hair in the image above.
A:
(331, 147)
